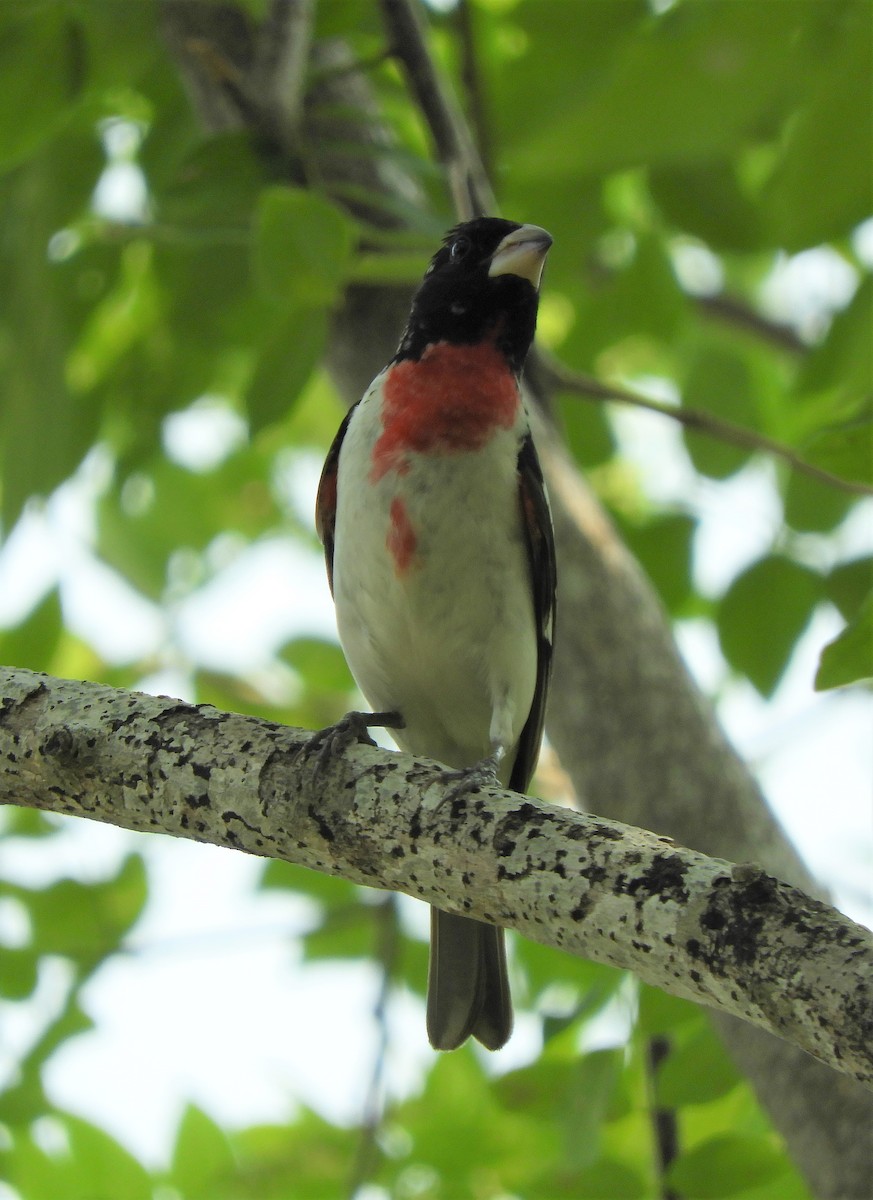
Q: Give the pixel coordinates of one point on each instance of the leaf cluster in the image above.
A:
(687, 158)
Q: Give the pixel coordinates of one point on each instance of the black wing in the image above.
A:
(537, 520)
(325, 504)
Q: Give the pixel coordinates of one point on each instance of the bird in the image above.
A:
(440, 556)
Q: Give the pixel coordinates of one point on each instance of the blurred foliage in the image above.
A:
(685, 157)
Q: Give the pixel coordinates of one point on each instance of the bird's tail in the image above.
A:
(468, 985)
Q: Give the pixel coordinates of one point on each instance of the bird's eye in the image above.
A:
(459, 248)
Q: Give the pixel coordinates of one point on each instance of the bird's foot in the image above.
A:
(466, 780)
(351, 730)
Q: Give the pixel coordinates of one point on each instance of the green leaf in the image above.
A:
(18, 972)
(308, 1159)
(843, 362)
(663, 548)
(328, 687)
(609, 1179)
(329, 890)
(321, 664)
(638, 304)
(845, 449)
(344, 932)
(579, 1093)
(36, 1175)
(661, 1013)
(460, 1132)
(719, 382)
(26, 1100)
(811, 505)
(711, 74)
(833, 128)
(85, 921)
(44, 431)
(848, 584)
(125, 316)
(288, 355)
(46, 40)
(849, 657)
(588, 434)
(33, 642)
(594, 983)
(123, 42)
(725, 1165)
(215, 189)
(707, 201)
(168, 508)
(762, 615)
(203, 1162)
(28, 822)
(695, 1072)
(104, 1169)
(302, 247)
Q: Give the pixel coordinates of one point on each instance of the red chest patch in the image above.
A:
(401, 540)
(452, 399)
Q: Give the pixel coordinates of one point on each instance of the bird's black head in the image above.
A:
(482, 284)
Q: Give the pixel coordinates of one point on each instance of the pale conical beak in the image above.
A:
(523, 253)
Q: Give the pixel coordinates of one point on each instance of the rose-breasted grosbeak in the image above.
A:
(438, 540)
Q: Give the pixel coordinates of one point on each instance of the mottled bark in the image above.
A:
(730, 937)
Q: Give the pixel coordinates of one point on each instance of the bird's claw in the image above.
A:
(470, 779)
(351, 730)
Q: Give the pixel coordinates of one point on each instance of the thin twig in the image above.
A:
(664, 1124)
(471, 189)
(388, 941)
(553, 375)
(734, 312)
(471, 80)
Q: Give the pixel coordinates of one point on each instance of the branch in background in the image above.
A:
(471, 189)
(282, 59)
(551, 374)
(471, 81)
(664, 1125)
(730, 937)
(734, 312)
(387, 924)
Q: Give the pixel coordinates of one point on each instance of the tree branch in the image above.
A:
(731, 311)
(282, 59)
(455, 148)
(553, 375)
(464, 22)
(730, 937)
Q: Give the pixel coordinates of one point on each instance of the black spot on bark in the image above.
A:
(58, 744)
(321, 825)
